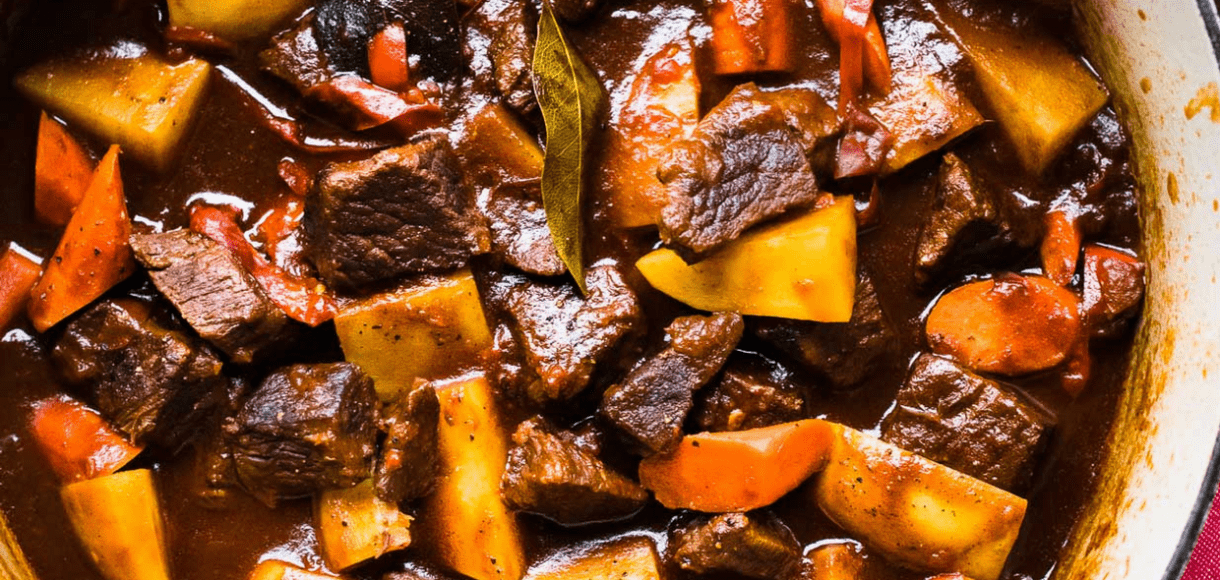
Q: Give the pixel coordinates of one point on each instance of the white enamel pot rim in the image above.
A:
(1160, 58)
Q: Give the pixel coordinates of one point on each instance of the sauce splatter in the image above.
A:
(1208, 97)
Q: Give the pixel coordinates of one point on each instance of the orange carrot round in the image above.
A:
(740, 470)
(78, 442)
(62, 171)
(1011, 325)
(1060, 247)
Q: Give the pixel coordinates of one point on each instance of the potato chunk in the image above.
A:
(915, 512)
(924, 111)
(233, 19)
(118, 519)
(428, 331)
(632, 558)
(802, 268)
(142, 103)
(354, 525)
(467, 524)
(1040, 93)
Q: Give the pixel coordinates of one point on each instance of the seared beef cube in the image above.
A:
(747, 399)
(756, 545)
(213, 292)
(295, 57)
(550, 476)
(509, 27)
(651, 404)
(964, 220)
(575, 10)
(564, 335)
(409, 460)
(153, 383)
(843, 353)
(402, 211)
(519, 232)
(306, 429)
(746, 162)
(433, 36)
(966, 422)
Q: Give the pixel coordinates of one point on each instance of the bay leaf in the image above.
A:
(571, 100)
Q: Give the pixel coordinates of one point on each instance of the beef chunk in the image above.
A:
(154, 383)
(402, 211)
(343, 29)
(843, 353)
(433, 36)
(756, 545)
(519, 232)
(509, 27)
(746, 162)
(1113, 287)
(964, 220)
(410, 460)
(746, 398)
(974, 425)
(550, 476)
(295, 57)
(651, 403)
(575, 10)
(212, 291)
(564, 335)
(307, 428)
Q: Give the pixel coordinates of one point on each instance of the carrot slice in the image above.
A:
(93, 254)
(750, 36)
(78, 442)
(1011, 325)
(298, 298)
(739, 470)
(388, 65)
(18, 274)
(876, 59)
(1060, 247)
(62, 172)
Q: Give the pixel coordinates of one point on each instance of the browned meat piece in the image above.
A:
(433, 35)
(842, 353)
(212, 291)
(745, 398)
(964, 222)
(295, 57)
(509, 27)
(519, 232)
(651, 403)
(974, 425)
(1113, 287)
(747, 162)
(409, 461)
(563, 335)
(343, 29)
(307, 428)
(575, 10)
(154, 383)
(550, 476)
(756, 545)
(402, 211)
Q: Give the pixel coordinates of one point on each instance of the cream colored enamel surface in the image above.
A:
(1156, 63)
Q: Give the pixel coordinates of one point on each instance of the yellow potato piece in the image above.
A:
(802, 268)
(429, 331)
(915, 512)
(142, 103)
(498, 150)
(233, 19)
(118, 520)
(1041, 94)
(465, 522)
(355, 525)
(633, 558)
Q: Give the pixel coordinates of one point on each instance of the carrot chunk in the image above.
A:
(750, 36)
(388, 58)
(767, 463)
(1011, 325)
(62, 172)
(875, 59)
(1060, 247)
(18, 274)
(93, 254)
(78, 442)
